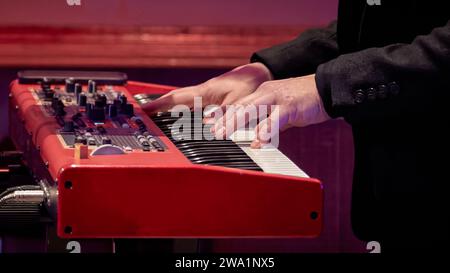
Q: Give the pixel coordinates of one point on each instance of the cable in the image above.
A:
(23, 193)
(32, 196)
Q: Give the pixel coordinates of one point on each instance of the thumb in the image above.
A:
(182, 96)
(267, 131)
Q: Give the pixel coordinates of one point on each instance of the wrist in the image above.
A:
(263, 72)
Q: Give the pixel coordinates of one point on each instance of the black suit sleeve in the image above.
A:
(396, 80)
(302, 55)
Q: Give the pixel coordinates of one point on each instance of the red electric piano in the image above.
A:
(107, 170)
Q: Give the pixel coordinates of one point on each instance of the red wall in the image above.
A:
(168, 12)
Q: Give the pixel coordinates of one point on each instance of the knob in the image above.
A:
(49, 95)
(97, 114)
(82, 100)
(112, 111)
(128, 109)
(89, 107)
(123, 99)
(92, 86)
(59, 110)
(70, 85)
(68, 126)
(45, 84)
(78, 90)
(101, 101)
(55, 101)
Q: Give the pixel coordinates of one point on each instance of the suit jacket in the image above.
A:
(386, 70)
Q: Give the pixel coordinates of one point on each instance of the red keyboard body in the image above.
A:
(152, 194)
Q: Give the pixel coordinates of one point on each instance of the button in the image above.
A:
(371, 94)
(80, 139)
(101, 129)
(382, 91)
(91, 141)
(394, 88)
(359, 96)
(106, 140)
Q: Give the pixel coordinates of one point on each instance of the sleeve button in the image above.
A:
(382, 91)
(371, 94)
(394, 88)
(359, 96)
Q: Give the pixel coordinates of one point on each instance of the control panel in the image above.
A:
(95, 115)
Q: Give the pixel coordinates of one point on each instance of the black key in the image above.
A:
(213, 152)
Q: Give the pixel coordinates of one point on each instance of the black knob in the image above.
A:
(49, 95)
(101, 101)
(117, 103)
(68, 126)
(97, 114)
(45, 84)
(89, 107)
(112, 110)
(78, 90)
(128, 110)
(92, 86)
(123, 99)
(55, 101)
(82, 100)
(70, 85)
(59, 110)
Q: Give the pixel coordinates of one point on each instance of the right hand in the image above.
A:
(222, 90)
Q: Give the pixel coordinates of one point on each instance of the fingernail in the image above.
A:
(220, 133)
(256, 144)
(208, 121)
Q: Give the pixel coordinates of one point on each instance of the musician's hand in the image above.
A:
(294, 102)
(222, 90)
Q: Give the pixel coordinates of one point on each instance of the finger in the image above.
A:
(211, 114)
(228, 123)
(183, 96)
(245, 110)
(268, 129)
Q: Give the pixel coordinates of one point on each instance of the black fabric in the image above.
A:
(387, 72)
(301, 56)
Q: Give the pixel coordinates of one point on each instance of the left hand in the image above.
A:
(293, 102)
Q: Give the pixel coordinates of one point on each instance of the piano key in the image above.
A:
(234, 153)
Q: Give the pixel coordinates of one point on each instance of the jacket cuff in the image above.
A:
(323, 82)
